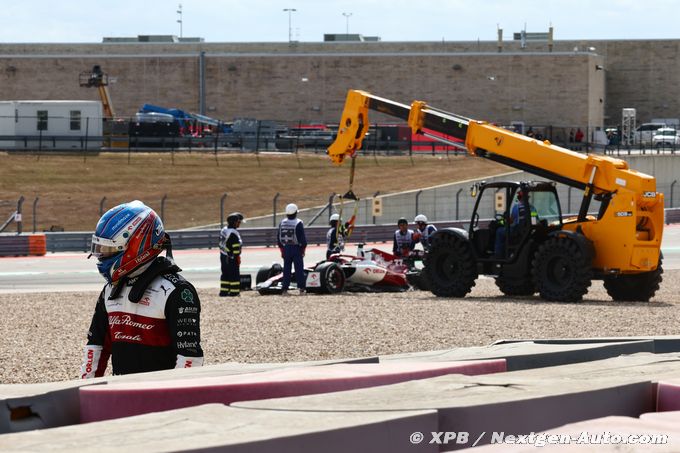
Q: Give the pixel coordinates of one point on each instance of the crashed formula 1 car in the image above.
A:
(371, 270)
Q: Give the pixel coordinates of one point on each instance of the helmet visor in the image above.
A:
(103, 248)
(100, 251)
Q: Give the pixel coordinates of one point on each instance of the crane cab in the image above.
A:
(521, 213)
(519, 217)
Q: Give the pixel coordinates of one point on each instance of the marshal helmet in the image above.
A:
(291, 209)
(233, 218)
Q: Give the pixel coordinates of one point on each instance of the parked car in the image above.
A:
(645, 132)
(153, 129)
(305, 137)
(666, 137)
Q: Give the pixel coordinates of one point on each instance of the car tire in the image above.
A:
(267, 272)
(418, 280)
(332, 277)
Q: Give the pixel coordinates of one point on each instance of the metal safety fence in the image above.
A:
(264, 237)
(208, 239)
(73, 130)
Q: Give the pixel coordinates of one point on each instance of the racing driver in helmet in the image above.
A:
(147, 317)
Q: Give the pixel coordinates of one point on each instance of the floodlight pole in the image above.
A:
(347, 16)
(290, 12)
(179, 21)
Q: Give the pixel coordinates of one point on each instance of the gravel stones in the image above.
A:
(42, 334)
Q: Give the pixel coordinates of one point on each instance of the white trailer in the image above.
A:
(36, 125)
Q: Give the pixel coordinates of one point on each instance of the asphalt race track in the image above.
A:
(74, 272)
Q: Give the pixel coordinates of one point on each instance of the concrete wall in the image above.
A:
(264, 80)
(309, 83)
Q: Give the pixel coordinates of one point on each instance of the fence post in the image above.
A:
(217, 135)
(375, 154)
(318, 214)
(35, 215)
(101, 206)
(165, 196)
(276, 197)
(672, 186)
(375, 139)
(257, 135)
(17, 216)
(330, 205)
(418, 194)
(297, 136)
(224, 196)
(457, 202)
(87, 131)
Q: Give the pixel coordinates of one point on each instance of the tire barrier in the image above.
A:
(23, 245)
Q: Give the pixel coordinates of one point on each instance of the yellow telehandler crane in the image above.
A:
(540, 251)
(115, 131)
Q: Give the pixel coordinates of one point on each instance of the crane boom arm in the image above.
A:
(107, 106)
(601, 173)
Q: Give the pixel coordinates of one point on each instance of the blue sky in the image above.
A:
(392, 20)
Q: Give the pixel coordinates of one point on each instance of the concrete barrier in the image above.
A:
(23, 245)
(105, 402)
(215, 427)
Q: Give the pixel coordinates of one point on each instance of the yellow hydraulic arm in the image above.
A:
(106, 101)
(627, 233)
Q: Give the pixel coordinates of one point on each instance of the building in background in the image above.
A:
(63, 124)
(565, 84)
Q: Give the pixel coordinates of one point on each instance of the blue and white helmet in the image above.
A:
(127, 237)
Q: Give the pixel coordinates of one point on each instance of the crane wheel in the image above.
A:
(637, 287)
(450, 267)
(514, 287)
(561, 270)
